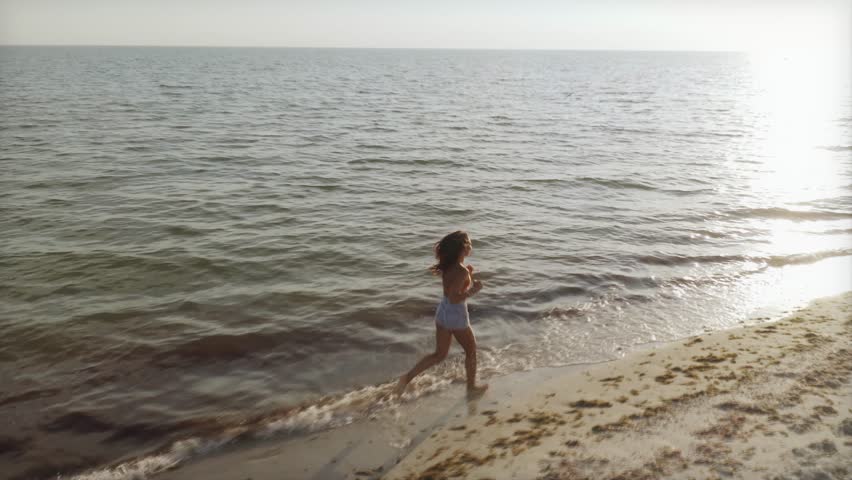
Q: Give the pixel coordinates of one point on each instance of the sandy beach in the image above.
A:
(770, 401)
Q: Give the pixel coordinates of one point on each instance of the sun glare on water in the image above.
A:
(800, 97)
(801, 104)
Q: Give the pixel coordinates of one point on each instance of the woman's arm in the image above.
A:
(457, 283)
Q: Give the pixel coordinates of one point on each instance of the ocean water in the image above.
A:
(201, 245)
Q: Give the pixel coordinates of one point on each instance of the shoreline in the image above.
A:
(753, 402)
(717, 404)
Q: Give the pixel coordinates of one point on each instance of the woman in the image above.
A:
(452, 319)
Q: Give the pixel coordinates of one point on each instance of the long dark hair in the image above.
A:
(448, 251)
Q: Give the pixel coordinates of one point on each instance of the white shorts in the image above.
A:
(452, 316)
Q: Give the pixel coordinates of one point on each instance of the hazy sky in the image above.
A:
(538, 24)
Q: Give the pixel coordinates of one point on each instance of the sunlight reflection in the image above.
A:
(798, 99)
(800, 105)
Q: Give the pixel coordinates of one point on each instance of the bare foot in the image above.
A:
(400, 386)
(476, 390)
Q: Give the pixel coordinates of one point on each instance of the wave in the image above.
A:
(289, 345)
(709, 233)
(206, 435)
(369, 161)
(625, 100)
(75, 264)
(449, 211)
(434, 162)
(837, 231)
(543, 180)
(613, 129)
(805, 258)
(326, 188)
(603, 280)
(834, 203)
(138, 148)
(674, 260)
(372, 146)
(786, 214)
(185, 231)
(559, 291)
(28, 395)
(375, 129)
(617, 184)
(683, 193)
(771, 260)
(621, 184)
(699, 134)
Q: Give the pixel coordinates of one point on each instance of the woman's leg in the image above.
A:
(468, 341)
(442, 346)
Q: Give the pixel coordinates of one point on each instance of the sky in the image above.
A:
(747, 25)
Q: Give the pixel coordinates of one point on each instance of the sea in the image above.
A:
(204, 245)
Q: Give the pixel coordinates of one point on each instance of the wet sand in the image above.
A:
(769, 401)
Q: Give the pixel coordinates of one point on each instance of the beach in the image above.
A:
(231, 252)
(771, 400)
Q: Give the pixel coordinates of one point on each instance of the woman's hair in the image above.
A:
(448, 251)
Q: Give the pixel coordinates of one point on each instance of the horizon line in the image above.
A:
(372, 48)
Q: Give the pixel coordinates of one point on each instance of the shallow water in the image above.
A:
(195, 239)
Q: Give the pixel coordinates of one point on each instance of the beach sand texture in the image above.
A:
(771, 401)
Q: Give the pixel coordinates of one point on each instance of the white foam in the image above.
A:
(144, 467)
